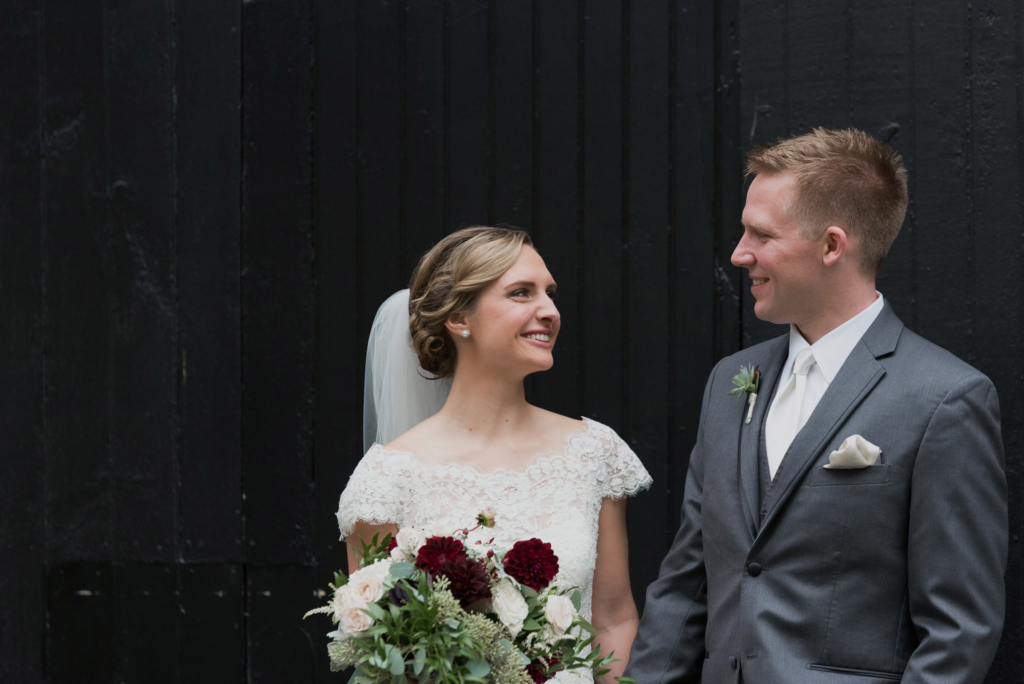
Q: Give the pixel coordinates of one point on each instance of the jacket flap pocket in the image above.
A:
(823, 477)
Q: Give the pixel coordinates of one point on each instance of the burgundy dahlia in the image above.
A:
(532, 562)
(468, 580)
(392, 545)
(438, 550)
(536, 670)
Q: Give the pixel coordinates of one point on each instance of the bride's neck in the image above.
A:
(485, 405)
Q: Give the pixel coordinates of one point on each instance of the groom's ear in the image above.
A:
(836, 244)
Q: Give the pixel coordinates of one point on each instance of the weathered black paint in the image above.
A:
(201, 207)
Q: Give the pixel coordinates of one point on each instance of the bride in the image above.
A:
(459, 438)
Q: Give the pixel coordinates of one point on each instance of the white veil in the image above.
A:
(397, 393)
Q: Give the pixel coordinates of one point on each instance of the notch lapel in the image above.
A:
(858, 376)
(750, 434)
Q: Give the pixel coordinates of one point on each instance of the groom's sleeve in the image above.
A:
(958, 538)
(669, 647)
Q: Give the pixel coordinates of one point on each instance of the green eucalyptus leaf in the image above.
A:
(395, 664)
(478, 668)
(402, 570)
(528, 592)
(575, 598)
(531, 625)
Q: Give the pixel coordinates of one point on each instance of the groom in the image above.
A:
(853, 529)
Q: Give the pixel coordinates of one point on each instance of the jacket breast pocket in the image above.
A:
(829, 477)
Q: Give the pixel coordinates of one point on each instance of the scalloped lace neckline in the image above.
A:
(539, 459)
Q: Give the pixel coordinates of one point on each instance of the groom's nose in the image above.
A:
(742, 256)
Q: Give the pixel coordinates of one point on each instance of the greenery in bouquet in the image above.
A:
(439, 609)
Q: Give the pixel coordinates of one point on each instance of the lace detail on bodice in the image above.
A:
(557, 498)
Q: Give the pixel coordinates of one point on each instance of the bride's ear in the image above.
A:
(456, 323)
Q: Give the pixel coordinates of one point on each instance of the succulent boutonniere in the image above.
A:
(747, 381)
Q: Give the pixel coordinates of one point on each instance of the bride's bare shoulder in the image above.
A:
(417, 438)
(556, 424)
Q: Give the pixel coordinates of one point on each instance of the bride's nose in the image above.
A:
(548, 311)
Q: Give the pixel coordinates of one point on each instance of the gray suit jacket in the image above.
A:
(888, 573)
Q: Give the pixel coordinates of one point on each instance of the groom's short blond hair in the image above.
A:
(846, 178)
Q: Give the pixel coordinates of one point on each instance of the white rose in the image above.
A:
(510, 606)
(354, 620)
(399, 556)
(409, 540)
(559, 613)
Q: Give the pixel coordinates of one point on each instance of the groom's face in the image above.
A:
(786, 268)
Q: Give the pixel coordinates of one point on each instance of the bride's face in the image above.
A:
(515, 322)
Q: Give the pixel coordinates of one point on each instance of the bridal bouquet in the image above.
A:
(439, 609)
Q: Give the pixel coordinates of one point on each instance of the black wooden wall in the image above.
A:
(203, 203)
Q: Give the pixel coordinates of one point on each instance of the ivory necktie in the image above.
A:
(785, 418)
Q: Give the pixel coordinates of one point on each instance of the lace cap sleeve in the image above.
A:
(622, 473)
(371, 495)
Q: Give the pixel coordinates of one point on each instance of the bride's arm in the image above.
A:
(365, 531)
(615, 615)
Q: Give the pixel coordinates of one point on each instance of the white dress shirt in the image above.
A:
(830, 353)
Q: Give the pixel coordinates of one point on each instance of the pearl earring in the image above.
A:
(465, 333)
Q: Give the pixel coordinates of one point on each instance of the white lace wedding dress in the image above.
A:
(557, 498)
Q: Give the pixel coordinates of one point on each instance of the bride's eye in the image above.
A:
(521, 292)
(552, 294)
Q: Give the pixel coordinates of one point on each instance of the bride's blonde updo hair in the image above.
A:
(449, 280)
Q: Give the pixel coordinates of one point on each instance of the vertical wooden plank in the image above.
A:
(648, 268)
(22, 489)
(75, 257)
(282, 646)
(729, 165)
(692, 247)
(602, 319)
(513, 84)
(467, 129)
(882, 104)
(143, 288)
(764, 117)
(208, 91)
(340, 316)
(939, 191)
(211, 624)
(145, 629)
(380, 85)
(277, 284)
(424, 130)
(818, 44)
(80, 614)
(996, 176)
(558, 229)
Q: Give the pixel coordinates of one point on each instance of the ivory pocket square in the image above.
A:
(854, 452)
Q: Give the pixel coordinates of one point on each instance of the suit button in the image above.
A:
(733, 662)
(754, 569)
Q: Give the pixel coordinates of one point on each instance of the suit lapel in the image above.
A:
(855, 380)
(750, 433)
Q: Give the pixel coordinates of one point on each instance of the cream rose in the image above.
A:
(342, 600)
(559, 613)
(367, 584)
(510, 606)
(354, 620)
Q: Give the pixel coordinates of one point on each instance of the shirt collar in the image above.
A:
(832, 350)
